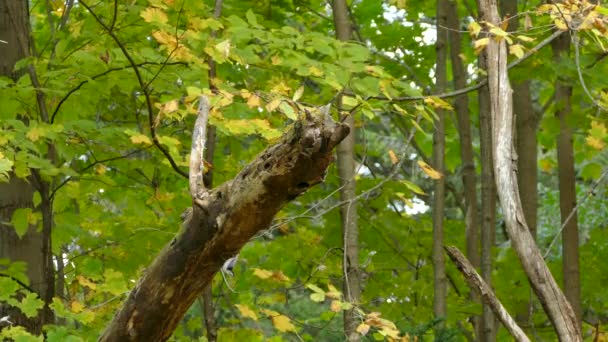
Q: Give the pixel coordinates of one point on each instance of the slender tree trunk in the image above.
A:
(567, 181)
(439, 276)
(487, 331)
(469, 181)
(207, 296)
(551, 297)
(17, 193)
(348, 211)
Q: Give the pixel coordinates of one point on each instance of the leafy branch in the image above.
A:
(144, 88)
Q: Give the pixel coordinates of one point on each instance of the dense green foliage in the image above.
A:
(112, 74)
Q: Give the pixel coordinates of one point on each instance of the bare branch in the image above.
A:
(487, 295)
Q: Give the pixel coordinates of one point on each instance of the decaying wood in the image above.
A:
(220, 223)
(487, 295)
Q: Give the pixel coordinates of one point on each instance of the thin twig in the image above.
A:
(574, 210)
(473, 87)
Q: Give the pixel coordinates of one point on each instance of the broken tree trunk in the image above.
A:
(220, 223)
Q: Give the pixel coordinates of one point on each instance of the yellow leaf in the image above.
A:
(275, 60)
(35, 133)
(152, 14)
(474, 29)
(272, 105)
(141, 139)
(333, 292)
(497, 31)
(298, 94)
(262, 274)
(480, 44)
(525, 39)
(246, 312)
(283, 323)
(315, 71)
(100, 169)
(393, 157)
(545, 8)
(560, 24)
(280, 276)
(224, 47)
(595, 143)
(363, 329)
(254, 101)
(76, 307)
(170, 106)
(434, 174)
(335, 306)
(436, 102)
(517, 50)
(245, 93)
(280, 88)
(86, 282)
(546, 165)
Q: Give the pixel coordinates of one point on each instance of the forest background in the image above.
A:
(98, 101)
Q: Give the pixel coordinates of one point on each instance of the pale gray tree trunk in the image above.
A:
(526, 122)
(554, 302)
(348, 211)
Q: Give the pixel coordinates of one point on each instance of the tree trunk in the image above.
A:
(567, 181)
(220, 224)
(439, 276)
(487, 331)
(348, 211)
(461, 104)
(551, 297)
(17, 193)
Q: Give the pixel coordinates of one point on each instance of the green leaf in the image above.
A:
(20, 220)
(30, 304)
(288, 111)
(19, 334)
(5, 167)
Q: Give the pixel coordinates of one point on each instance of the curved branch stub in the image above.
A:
(197, 151)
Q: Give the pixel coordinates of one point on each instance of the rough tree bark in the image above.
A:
(348, 211)
(439, 276)
(567, 180)
(17, 193)
(551, 297)
(220, 222)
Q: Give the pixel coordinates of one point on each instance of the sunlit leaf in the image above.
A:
(429, 170)
(246, 311)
